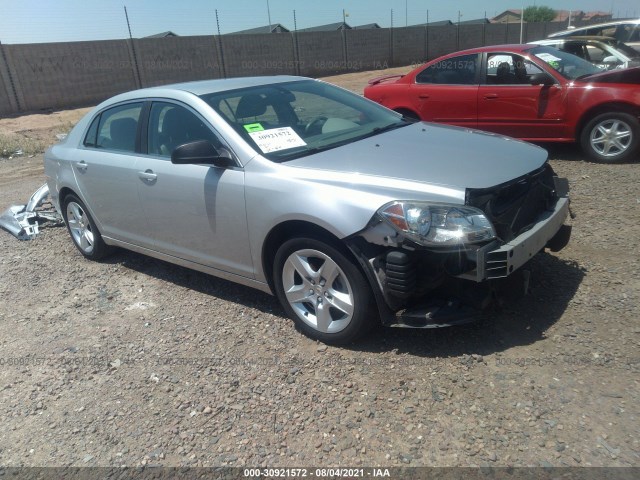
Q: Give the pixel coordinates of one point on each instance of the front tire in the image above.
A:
(323, 291)
(611, 137)
(82, 229)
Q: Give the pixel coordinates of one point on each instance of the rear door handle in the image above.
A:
(82, 166)
(148, 175)
(491, 96)
(423, 95)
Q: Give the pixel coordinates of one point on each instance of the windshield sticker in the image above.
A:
(276, 139)
(547, 57)
(253, 127)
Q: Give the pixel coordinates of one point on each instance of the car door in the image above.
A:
(510, 105)
(105, 170)
(447, 91)
(194, 212)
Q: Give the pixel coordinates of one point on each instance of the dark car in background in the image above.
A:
(531, 92)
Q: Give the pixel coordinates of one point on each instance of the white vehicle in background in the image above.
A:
(626, 31)
(606, 53)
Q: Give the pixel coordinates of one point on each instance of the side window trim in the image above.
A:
(142, 138)
(95, 122)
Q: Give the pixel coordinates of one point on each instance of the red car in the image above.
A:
(531, 92)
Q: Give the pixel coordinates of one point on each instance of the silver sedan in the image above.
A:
(349, 213)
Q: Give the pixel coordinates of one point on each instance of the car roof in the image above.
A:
(635, 21)
(513, 47)
(201, 87)
(576, 39)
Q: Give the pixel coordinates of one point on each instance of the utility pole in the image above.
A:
(269, 15)
(133, 50)
(224, 70)
(521, 23)
(128, 24)
(406, 13)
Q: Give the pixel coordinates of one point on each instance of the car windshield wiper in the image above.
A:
(386, 128)
(312, 150)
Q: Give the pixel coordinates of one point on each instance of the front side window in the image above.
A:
(288, 120)
(509, 69)
(171, 125)
(452, 71)
(118, 127)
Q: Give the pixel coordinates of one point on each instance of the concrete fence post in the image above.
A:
(344, 48)
(8, 79)
(296, 51)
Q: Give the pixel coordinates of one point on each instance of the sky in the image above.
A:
(30, 21)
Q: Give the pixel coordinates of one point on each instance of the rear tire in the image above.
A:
(323, 291)
(82, 229)
(611, 137)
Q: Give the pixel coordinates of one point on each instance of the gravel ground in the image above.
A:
(133, 361)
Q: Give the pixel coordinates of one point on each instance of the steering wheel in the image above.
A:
(314, 127)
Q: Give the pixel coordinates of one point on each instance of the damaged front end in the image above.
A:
(23, 221)
(431, 278)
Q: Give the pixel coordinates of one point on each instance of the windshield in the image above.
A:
(289, 120)
(626, 49)
(566, 64)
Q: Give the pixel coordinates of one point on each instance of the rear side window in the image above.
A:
(452, 71)
(92, 133)
(118, 127)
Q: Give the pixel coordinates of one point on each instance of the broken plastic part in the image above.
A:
(23, 221)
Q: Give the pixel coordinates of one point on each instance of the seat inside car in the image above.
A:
(123, 134)
(180, 126)
(504, 75)
(250, 106)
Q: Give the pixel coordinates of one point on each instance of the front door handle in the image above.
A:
(423, 95)
(491, 96)
(82, 166)
(148, 175)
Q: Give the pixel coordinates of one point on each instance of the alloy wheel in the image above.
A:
(318, 290)
(80, 227)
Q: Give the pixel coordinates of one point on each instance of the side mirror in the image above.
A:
(201, 152)
(542, 79)
(610, 60)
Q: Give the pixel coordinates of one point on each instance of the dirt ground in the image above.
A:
(133, 361)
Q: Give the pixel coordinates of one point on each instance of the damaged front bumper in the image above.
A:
(417, 287)
(23, 221)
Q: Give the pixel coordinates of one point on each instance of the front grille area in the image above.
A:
(514, 207)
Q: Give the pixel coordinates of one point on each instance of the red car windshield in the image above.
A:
(566, 64)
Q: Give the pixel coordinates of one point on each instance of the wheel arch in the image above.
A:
(604, 108)
(64, 192)
(291, 229)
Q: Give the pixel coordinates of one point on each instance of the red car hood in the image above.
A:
(627, 75)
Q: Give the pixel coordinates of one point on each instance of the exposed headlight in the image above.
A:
(437, 224)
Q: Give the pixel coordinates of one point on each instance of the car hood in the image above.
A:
(427, 153)
(626, 75)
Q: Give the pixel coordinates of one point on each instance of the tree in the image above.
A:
(539, 14)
